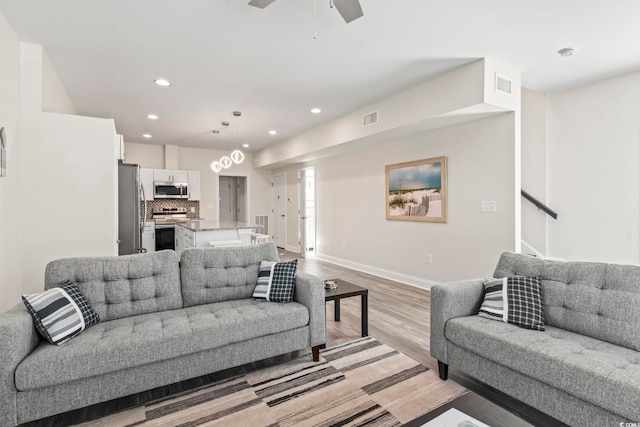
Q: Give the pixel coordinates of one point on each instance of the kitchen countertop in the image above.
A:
(212, 224)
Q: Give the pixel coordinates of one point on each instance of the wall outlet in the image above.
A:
(193, 209)
(488, 206)
(344, 243)
(429, 259)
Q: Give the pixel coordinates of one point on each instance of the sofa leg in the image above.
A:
(316, 353)
(443, 370)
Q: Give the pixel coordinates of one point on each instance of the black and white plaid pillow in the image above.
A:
(276, 281)
(516, 300)
(60, 313)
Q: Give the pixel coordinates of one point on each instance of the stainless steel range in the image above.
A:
(166, 220)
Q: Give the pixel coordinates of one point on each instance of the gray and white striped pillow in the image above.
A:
(265, 273)
(60, 313)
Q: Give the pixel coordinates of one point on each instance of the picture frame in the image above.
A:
(3, 153)
(417, 190)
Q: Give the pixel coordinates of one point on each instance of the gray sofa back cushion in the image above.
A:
(122, 286)
(219, 274)
(594, 299)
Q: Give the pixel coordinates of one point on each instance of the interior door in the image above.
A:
(227, 203)
(233, 198)
(279, 210)
(307, 211)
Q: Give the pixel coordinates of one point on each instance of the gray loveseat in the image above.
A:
(161, 323)
(583, 370)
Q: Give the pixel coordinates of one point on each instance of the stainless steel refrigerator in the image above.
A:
(131, 209)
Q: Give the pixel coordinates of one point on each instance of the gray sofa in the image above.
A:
(161, 322)
(583, 370)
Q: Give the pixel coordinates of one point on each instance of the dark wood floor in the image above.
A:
(398, 316)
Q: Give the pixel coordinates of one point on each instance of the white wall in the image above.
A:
(534, 170)
(10, 222)
(61, 174)
(351, 205)
(55, 98)
(594, 171)
(146, 155)
(68, 182)
(259, 181)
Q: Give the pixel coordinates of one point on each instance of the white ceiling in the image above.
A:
(223, 55)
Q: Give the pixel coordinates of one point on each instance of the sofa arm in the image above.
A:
(448, 301)
(19, 338)
(310, 292)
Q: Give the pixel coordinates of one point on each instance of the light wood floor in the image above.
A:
(399, 316)
(398, 313)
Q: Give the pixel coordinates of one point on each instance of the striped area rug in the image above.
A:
(359, 383)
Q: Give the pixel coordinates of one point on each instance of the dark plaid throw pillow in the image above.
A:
(276, 281)
(516, 300)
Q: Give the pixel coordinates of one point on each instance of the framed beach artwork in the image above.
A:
(417, 191)
(3, 153)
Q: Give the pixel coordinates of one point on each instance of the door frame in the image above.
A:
(301, 247)
(248, 193)
(273, 206)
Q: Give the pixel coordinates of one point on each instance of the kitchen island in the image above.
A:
(199, 234)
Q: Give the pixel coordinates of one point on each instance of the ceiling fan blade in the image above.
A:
(350, 10)
(261, 3)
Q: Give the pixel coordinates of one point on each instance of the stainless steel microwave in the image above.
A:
(170, 190)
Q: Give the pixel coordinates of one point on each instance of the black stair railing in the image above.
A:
(546, 209)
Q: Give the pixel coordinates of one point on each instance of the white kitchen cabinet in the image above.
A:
(189, 238)
(194, 185)
(179, 236)
(149, 236)
(162, 175)
(170, 175)
(179, 176)
(146, 179)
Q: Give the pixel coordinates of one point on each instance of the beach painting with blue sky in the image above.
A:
(417, 191)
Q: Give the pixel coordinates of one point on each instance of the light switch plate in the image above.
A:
(488, 206)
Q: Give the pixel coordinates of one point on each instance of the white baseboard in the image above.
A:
(380, 272)
(295, 249)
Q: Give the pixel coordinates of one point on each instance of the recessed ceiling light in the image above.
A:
(245, 145)
(146, 135)
(152, 117)
(162, 82)
(273, 132)
(316, 110)
(567, 51)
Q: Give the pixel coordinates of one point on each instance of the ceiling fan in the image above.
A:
(350, 10)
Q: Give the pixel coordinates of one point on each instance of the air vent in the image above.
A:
(369, 119)
(503, 85)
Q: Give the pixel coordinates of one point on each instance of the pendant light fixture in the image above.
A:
(237, 156)
(216, 166)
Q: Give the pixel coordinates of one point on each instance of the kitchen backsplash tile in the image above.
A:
(174, 203)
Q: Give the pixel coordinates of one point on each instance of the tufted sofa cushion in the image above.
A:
(220, 274)
(122, 286)
(135, 341)
(593, 299)
(570, 362)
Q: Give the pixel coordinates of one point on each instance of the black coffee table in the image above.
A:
(345, 290)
